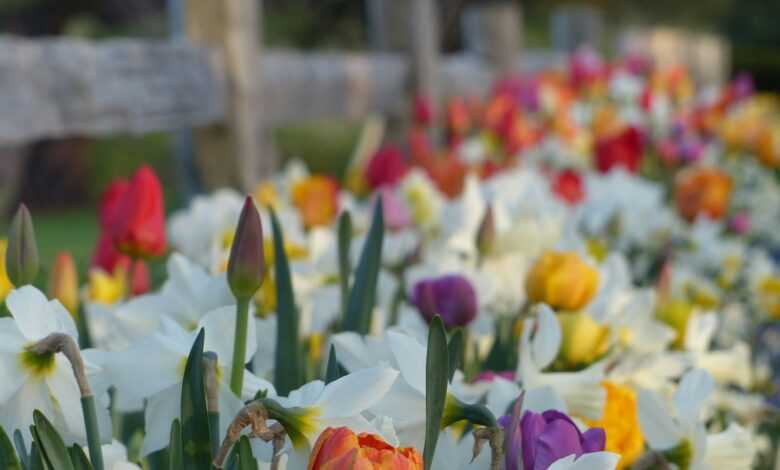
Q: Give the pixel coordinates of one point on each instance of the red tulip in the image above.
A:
(386, 167)
(423, 111)
(138, 227)
(140, 281)
(106, 256)
(623, 149)
(569, 187)
(109, 201)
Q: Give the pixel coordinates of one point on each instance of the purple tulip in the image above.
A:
(452, 296)
(544, 438)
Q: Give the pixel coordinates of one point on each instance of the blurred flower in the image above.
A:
(138, 227)
(343, 449)
(702, 191)
(422, 111)
(562, 280)
(386, 167)
(266, 195)
(105, 288)
(140, 280)
(621, 424)
(586, 66)
(5, 283)
(768, 145)
(317, 200)
(569, 186)
(583, 339)
(675, 313)
(452, 296)
(64, 282)
(622, 149)
(544, 438)
(740, 223)
(395, 212)
(458, 119)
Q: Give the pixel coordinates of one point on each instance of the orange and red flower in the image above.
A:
(138, 219)
(702, 191)
(317, 200)
(342, 449)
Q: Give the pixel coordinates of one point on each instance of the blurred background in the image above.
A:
(325, 42)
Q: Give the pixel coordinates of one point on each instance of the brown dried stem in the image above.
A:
(65, 344)
(253, 415)
(493, 436)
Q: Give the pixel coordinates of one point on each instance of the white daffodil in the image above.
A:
(204, 231)
(581, 391)
(590, 461)
(453, 453)
(153, 370)
(43, 382)
(316, 406)
(681, 435)
(115, 457)
(728, 366)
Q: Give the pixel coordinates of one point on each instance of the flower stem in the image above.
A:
(93, 434)
(239, 346)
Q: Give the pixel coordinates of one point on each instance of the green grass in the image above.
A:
(324, 145)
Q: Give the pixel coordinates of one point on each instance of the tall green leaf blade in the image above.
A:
(455, 349)
(79, 458)
(8, 459)
(333, 371)
(246, 460)
(362, 296)
(175, 449)
(21, 449)
(288, 366)
(36, 460)
(436, 375)
(196, 437)
(53, 447)
(345, 268)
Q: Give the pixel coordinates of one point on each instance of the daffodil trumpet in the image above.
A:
(65, 344)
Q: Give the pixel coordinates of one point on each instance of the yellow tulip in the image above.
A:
(64, 282)
(562, 280)
(5, 283)
(583, 339)
(621, 424)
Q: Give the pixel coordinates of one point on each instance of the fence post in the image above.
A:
(233, 153)
(424, 31)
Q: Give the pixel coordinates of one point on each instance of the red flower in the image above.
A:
(109, 201)
(138, 227)
(423, 111)
(569, 187)
(140, 281)
(106, 256)
(386, 167)
(623, 149)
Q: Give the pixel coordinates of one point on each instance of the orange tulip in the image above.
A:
(342, 449)
(702, 191)
(316, 198)
(64, 282)
(562, 280)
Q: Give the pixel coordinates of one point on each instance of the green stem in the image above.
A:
(239, 346)
(93, 434)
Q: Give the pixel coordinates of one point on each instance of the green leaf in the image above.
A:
(79, 458)
(288, 366)
(175, 449)
(455, 349)
(362, 297)
(246, 460)
(36, 460)
(8, 459)
(53, 447)
(196, 437)
(333, 371)
(21, 449)
(345, 269)
(436, 371)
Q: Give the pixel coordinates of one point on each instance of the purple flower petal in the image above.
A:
(594, 440)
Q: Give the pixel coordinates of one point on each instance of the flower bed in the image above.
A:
(578, 272)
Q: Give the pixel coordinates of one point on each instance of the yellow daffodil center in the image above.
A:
(597, 249)
(105, 288)
(583, 339)
(266, 195)
(38, 365)
(621, 424)
(769, 295)
(675, 313)
(680, 455)
(299, 423)
(265, 298)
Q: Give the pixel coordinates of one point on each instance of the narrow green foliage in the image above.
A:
(21, 450)
(345, 267)
(288, 365)
(455, 349)
(79, 458)
(333, 371)
(8, 459)
(246, 460)
(195, 433)
(36, 459)
(53, 447)
(362, 297)
(436, 374)
(175, 450)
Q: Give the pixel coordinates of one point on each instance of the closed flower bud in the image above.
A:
(583, 340)
(562, 280)
(64, 282)
(340, 448)
(246, 265)
(139, 217)
(21, 259)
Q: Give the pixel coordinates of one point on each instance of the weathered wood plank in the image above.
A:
(58, 87)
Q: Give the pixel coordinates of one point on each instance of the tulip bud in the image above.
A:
(486, 234)
(452, 296)
(138, 216)
(562, 280)
(140, 282)
(64, 282)
(21, 261)
(246, 265)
